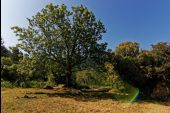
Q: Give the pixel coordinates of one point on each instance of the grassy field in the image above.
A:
(62, 100)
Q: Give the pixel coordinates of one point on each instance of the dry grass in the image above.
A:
(72, 101)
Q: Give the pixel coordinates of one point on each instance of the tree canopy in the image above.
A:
(66, 37)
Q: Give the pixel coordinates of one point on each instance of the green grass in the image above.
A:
(63, 100)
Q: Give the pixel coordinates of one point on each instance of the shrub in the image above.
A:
(90, 78)
(37, 84)
(51, 80)
(6, 84)
(113, 78)
(32, 84)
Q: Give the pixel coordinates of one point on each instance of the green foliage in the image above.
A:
(16, 54)
(34, 68)
(130, 71)
(113, 78)
(68, 38)
(146, 58)
(90, 78)
(4, 51)
(24, 68)
(5, 62)
(51, 80)
(128, 49)
(32, 84)
(23, 84)
(161, 52)
(6, 84)
(8, 69)
(147, 69)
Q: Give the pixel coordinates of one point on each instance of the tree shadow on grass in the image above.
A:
(90, 96)
(96, 96)
(83, 96)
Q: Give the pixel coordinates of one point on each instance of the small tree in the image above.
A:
(113, 77)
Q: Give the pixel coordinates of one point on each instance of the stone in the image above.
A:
(48, 87)
(25, 96)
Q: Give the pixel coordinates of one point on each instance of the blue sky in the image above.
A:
(143, 21)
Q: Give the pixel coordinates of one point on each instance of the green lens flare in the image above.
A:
(133, 94)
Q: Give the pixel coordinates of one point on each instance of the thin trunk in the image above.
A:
(68, 76)
(68, 80)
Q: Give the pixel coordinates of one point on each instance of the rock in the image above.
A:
(29, 97)
(16, 97)
(34, 97)
(48, 87)
(25, 96)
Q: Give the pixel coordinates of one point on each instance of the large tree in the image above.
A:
(66, 37)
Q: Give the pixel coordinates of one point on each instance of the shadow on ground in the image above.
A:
(96, 96)
(83, 96)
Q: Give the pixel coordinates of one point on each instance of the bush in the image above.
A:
(23, 84)
(90, 78)
(51, 80)
(113, 78)
(32, 84)
(6, 84)
(37, 84)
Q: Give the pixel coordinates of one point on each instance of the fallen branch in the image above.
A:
(96, 90)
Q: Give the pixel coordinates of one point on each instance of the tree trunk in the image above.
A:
(68, 76)
(68, 80)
